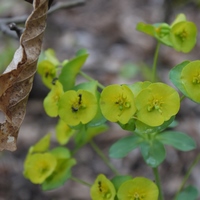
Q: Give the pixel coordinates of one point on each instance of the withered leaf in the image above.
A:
(16, 81)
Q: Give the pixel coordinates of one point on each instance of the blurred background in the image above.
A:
(118, 54)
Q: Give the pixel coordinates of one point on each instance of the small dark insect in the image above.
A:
(80, 99)
(99, 183)
(74, 109)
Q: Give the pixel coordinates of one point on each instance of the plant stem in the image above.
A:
(187, 175)
(102, 156)
(155, 59)
(183, 97)
(80, 181)
(158, 183)
(91, 79)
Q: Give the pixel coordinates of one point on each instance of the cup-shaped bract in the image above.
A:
(183, 36)
(39, 166)
(51, 100)
(138, 188)
(77, 107)
(102, 189)
(157, 104)
(47, 71)
(117, 103)
(190, 78)
(63, 132)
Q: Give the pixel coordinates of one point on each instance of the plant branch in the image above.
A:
(4, 22)
(80, 181)
(187, 175)
(158, 183)
(102, 156)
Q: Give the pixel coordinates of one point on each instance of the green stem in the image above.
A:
(155, 59)
(91, 79)
(158, 183)
(183, 97)
(80, 181)
(102, 156)
(187, 175)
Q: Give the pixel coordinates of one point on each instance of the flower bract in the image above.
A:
(77, 107)
(157, 104)
(63, 132)
(39, 166)
(117, 103)
(47, 71)
(51, 100)
(183, 36)
(102, 189)
(138, 189)
(190, 77)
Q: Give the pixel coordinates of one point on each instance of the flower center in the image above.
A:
(77, 104)
(122, 102)
(182, 35)
(104, 191)
(196, 79)
(136, 196)
(155, 104)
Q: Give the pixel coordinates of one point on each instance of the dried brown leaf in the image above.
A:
(16, 81)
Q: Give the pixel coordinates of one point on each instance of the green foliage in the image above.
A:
(146, 109)
(190, 192)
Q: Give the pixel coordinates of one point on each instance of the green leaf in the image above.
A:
(86, 134)
(118, 180)
(175, 76)
(61, 153)
(177, 139)
(90, 86)
(61, 174)
(62, 171)
(70, 70)
(130, 126)
(142, 128)
(81, 52)
(123, 146)
(146, 28)
(153, 152)
(189, 192)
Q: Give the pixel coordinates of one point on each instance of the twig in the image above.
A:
(4, 28)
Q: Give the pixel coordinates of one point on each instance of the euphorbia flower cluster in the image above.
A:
(139, 188)
(180, 35)
(154, 103)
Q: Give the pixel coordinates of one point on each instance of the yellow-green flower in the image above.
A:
(77, 107)
(190, 77)
(138, 189)
(39, 166)
(47, 71)
(102, 189)
(51, 101)
(183, 36)
(157, 104)
(63, 132)
(117, 103)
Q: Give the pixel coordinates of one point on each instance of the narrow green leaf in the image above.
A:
(146, 28)
(70, 70)
(153, 153)
(189, 192)
(178, 140)
(123, 146)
